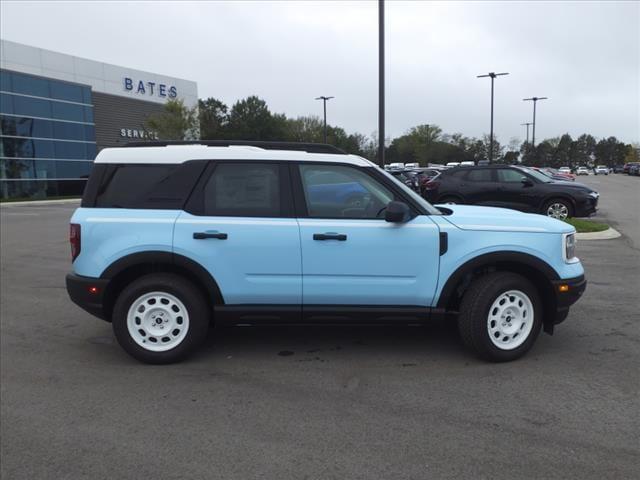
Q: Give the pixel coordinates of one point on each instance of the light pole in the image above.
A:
(324, 104)
(493, 76)
(381, 82)
(534, 100)
(527, 124)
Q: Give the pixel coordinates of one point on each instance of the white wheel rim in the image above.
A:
(558, 210)
(158, 321)
(510, 320)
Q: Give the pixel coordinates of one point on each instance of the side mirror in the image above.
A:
(526, 182)
(397, 212)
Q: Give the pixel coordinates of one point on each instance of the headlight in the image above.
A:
(569, 247)
(594, 194)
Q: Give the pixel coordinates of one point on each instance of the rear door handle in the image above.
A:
(205, 235)
(341, 237)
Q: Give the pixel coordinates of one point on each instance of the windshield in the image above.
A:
(541, 177)
(417, 198)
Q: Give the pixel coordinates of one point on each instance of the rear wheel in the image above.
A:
(558, 208)
(500, 316)
(160, 318)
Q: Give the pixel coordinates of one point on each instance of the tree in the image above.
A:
(250, 119)
(213, 119)
(585, 148)
(610, 152)
(175, 122)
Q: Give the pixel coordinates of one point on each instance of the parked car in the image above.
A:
(170, 239)
(412, 165)
(468, 163)
(618, 168)
(628, 165)
(582, 171)
(483, 162)
(565, 170)
(513, 187)
(396, 166)
(408, 178)
(634, 170)
(557, 173)
(601, 170)
(453, 164)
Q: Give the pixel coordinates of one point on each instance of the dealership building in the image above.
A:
(57, 111)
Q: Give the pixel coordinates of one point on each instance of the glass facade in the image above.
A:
(47, 136)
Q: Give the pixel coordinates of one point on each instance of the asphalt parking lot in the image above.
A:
(324, 403)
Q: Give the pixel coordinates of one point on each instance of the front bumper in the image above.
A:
(587, 207)
(568, 291)
(88, 293)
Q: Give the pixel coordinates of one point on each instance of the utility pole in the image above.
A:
(493, 76)
(534, 100)
(527, 124)
(324, 104)
(381, 82)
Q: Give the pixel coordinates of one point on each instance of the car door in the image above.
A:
(350, 254)
(240, 226)
(479, 187)
(513, 193)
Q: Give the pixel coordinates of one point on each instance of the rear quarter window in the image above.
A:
(148, 186)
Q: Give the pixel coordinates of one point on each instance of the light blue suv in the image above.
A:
(171, 238)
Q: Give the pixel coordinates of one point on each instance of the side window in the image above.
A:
(338, 191)
(460, 174)
(481, 175)
(508, 175)
(243, 190)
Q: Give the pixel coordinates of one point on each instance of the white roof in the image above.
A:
(182, 153)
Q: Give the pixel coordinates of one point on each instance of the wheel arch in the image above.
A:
(559, 196)
(537, 271)
(126, 269)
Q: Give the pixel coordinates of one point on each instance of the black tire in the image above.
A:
(450, 199)
(178, 286)
(561, 201)
(474, 315)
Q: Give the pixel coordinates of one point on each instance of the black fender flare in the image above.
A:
(494, 259)
(156, 259)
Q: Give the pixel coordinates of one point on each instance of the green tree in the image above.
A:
(175, 122)
(250, 119)
(213, 115)
(610, 152)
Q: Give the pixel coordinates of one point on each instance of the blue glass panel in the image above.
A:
(72, 169)
(91, 151)
(71, 150)
(23, 147)
(25, 127)
(31, 107)
(89, 133)
(86, 95)
(66, 91)
(6, 103)
(5, 81)
(68, 131)
(88, 114)
(14, 168)
(30, 85)
(68, 111)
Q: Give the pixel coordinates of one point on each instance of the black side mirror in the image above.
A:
(526, 182)
(397, 212)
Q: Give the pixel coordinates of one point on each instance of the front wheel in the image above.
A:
(558, 208)
(500, 316)
(160, 318)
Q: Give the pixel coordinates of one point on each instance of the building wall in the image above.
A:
(120, 120)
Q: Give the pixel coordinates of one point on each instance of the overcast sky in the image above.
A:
(584, 56)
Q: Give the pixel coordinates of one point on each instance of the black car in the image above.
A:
(513, 187)
(634, 170)
(408, 177)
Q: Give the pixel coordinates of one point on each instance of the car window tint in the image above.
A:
(508, 175)
(459, 174)
(243, 190)
(481, 175)
(337, 191)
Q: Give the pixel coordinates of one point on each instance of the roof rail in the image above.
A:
(304, 147)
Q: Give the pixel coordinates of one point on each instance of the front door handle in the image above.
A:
(205, 235)
(341, 237)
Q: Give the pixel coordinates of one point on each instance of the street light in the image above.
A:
(324, 104)
(534, 100)
(381, 82)
(527, 124)
(493, 76)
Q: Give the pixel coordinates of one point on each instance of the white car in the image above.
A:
(582, 171)
(468, 163)
(602, 170)
(412, 165)
(564, 170)
(453, 164)
(396, 166)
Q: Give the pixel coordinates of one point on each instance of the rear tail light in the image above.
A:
(74, 239)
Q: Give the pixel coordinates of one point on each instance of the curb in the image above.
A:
(39, 202)
(608, 234)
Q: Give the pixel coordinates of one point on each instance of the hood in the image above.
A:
(568, 183)
(468, 217)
